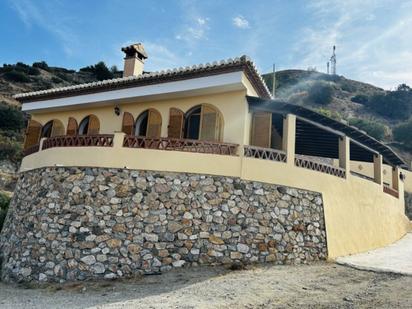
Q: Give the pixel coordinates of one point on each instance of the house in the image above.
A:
(196, 165)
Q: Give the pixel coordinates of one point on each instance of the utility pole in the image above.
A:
(274, 81)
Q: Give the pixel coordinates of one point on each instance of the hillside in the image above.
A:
(352, 102)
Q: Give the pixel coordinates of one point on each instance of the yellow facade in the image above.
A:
(359, 216)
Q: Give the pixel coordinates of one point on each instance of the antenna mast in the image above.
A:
(274, 81)
(333, 61)
(327, 67)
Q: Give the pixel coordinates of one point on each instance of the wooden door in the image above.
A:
(210, 124)
(72, 126)
(154, 124)
(128, 123)
(94, 125)
(33, 132)
(175, 128)
(261, 129)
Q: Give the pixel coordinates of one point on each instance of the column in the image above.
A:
(289, 138)
(377, 169)
(344, 154)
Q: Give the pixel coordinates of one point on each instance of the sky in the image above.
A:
(373, 38)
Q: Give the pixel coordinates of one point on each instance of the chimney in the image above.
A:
(134, 60)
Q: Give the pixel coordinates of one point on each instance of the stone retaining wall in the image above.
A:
(80, 223)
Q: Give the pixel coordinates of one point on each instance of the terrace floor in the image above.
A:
(395, 258)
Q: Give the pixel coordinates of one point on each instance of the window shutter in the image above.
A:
(128, 123)
(261, 129)
(57, 128)
(71, 126)
(209, 124)
(94, 125)
(175, 128)
(154, 124)
(33, 132)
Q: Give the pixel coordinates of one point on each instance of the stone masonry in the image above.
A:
(68, 224)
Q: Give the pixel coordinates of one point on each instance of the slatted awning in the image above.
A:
(318, 135)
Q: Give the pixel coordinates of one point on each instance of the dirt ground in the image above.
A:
(320, 285)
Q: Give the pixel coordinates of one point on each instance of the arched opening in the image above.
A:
(148, 124)
(203, 122)
(90, 125)
(52, 128)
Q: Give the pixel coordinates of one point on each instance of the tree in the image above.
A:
(403, 133)
(102, 72)
(373, 128)
(403, 87)
(10, 118)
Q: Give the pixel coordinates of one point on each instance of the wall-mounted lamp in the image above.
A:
(402, 176)
(117, 110)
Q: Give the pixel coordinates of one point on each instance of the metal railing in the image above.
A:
(99, 140)
(265, 153)
(30, 150)
(304, 162)
(175, 144)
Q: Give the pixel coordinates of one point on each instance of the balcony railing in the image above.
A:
(304, 162)
(186, 145)
(100, 140)
(391, 191)
(30, 150)
(264, 153)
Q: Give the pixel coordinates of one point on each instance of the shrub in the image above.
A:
(373, 128)
(4, 205)
(320, 93)
(403, 133)
(99, 70)
(360, 98)
(10, 150)
(393, 104)
(10, 118)
(16, 76)
(33, 71)
(328, 113)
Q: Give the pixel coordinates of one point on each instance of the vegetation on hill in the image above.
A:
(385, 115)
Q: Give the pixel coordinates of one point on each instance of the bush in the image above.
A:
(34, 71)
(393, 104)
(373, 128)
(4, 205)
(403, 133)
(10, 150)
(328, 113)
(16, 76)
(99, 70)
(10, 118)
(320, 93)
(360, 98)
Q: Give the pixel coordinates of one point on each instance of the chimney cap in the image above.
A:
(135, 50)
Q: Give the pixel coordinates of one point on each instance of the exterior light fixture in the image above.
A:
(117, 110)
(402, 176)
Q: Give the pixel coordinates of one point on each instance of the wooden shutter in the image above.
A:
(209, 124)
(72, 126)
(94, 125)
(128, 123)
(57, 128)
(175, 128)
(261, 129)
(154, 124)
(33, 132)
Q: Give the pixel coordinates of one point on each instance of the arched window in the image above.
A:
(149, 124)
(90, 125)
(203, 122)
(52, 128)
